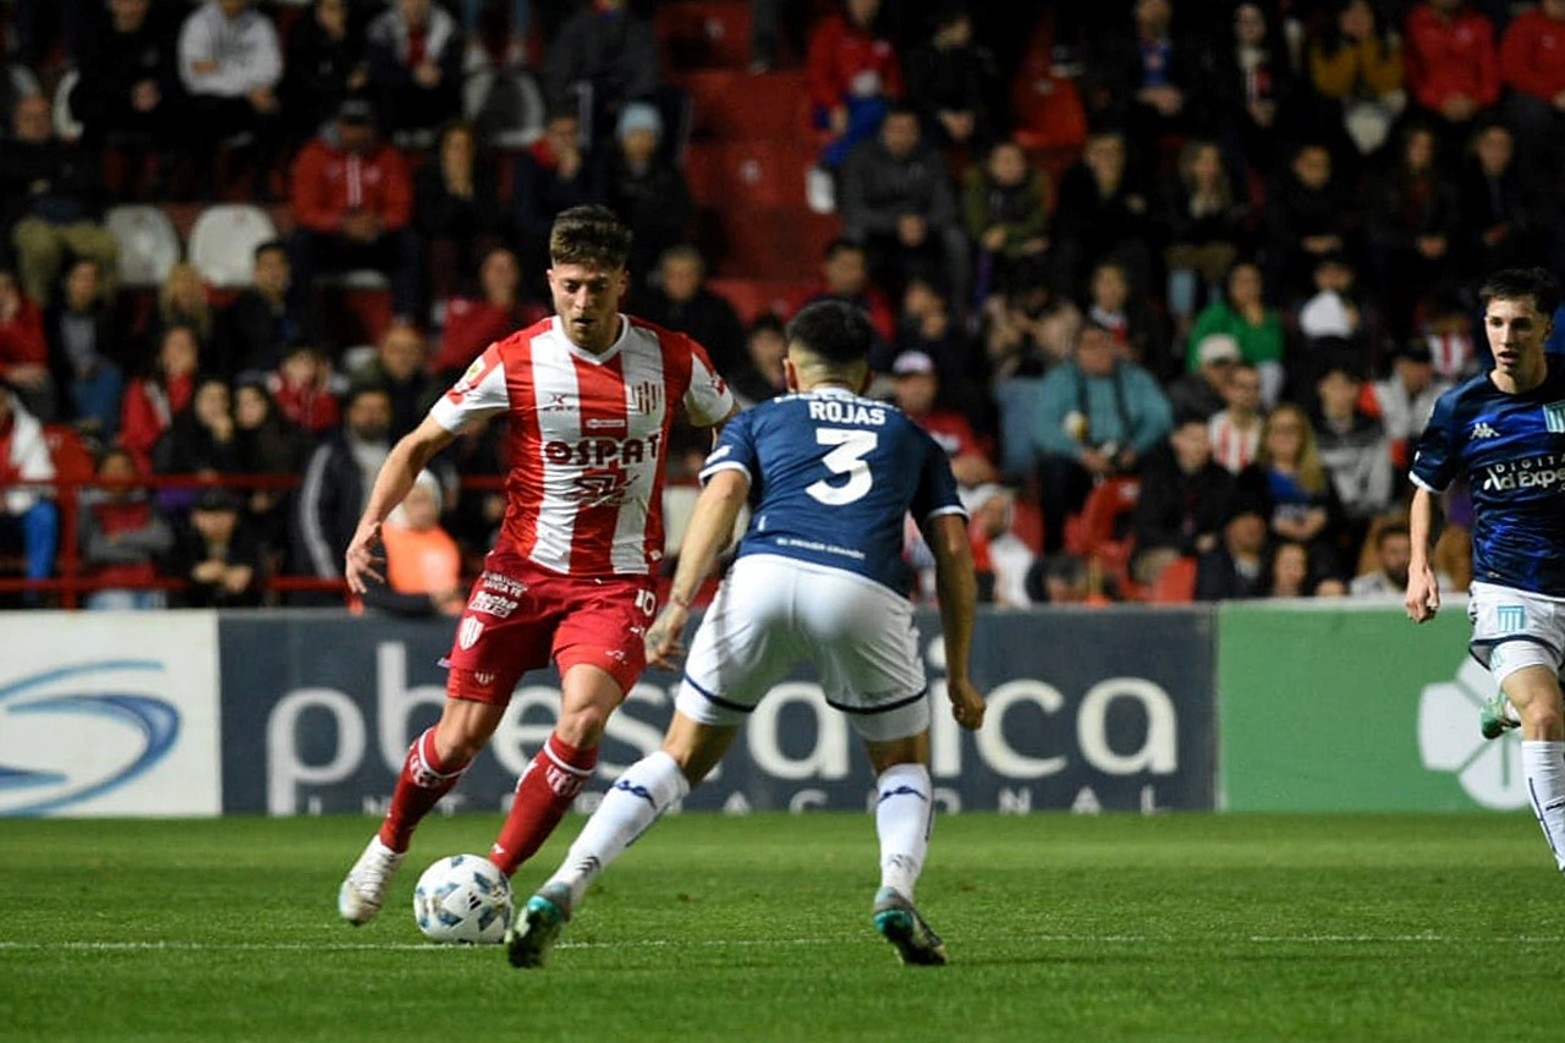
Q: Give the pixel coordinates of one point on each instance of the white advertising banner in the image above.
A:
(109, 714)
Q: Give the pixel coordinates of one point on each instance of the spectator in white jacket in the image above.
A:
(27, 513)
(230, 63)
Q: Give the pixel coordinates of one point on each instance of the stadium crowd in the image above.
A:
(1175, 281)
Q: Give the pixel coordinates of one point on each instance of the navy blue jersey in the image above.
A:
(832, 478)
(1511, 448)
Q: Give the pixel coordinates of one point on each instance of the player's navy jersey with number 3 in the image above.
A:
(1511, 448)
(832, 477)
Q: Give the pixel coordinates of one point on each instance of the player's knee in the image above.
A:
(1543, 717)
(583, 726)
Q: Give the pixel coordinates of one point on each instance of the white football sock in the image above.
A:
(904, 813)
(631, 805)
(1543, 762)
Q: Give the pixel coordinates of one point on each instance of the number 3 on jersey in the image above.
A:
(848, 458)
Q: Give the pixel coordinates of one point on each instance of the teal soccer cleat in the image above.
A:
(1494, 720)
(899, 922)
(535, 931)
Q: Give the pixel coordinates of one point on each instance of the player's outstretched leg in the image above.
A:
(363, 892)
(534, 932)
(899, 922)
(1495, 719)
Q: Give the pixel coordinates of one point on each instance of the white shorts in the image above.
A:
(1513, 629)
(772, 613)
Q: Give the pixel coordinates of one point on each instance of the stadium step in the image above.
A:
(765, 242)
(702, 34)
(748, 173)
(732, 105)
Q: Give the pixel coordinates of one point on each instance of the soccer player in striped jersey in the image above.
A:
(1505, 432)
(819, 578)
(590, 395)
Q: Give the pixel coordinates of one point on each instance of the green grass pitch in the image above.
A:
(1178, 927)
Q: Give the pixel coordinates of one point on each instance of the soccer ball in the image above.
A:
(463, 900)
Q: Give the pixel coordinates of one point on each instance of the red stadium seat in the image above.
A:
(748, 173)
(735, 106)
(1175, 585)
(766, 242)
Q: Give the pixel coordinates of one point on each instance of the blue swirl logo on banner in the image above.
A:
(146, 726)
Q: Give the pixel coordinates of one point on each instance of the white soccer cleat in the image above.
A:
(363, 892)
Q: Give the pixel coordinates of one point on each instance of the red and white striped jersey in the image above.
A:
(587, 439)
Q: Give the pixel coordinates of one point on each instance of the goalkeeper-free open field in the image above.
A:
(1198, 927)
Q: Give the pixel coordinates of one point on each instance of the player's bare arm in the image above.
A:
(1423, 591)
(956, 585)
(397, 475)
(709, 532)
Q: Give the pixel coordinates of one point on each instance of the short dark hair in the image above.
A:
(269, 245)
(1388, 531)
(591, 235)
(839, 333)
(839, 244)
(1514, 284)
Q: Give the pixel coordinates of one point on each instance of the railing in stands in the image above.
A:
(74, 577)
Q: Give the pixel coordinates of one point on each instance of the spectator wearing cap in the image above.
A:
(122, 536)
(28, 516)
(646, 190)
(1404, 400)
(414, 51)
(1243, 314)
(423, 563)
(915, 388)
(219, 554)
(1096, 415)
(1200, 394)
(353, 204)
(230, 63)
(897, 200)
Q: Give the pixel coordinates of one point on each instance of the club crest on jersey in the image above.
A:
(468, 631)
(1554, 417)
(647, 397)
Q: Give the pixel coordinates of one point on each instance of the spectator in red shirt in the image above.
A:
(353, 203)
(24, 349)
(151, 402)
(1532, 64)
(303, 390)
(1452, 68)
(852, 74)
(474, 323)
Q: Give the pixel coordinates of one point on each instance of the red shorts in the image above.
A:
(520, 615)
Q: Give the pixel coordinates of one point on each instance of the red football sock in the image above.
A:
(543, 795)
(423, 781)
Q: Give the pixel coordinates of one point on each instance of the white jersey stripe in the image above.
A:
(556, 404)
